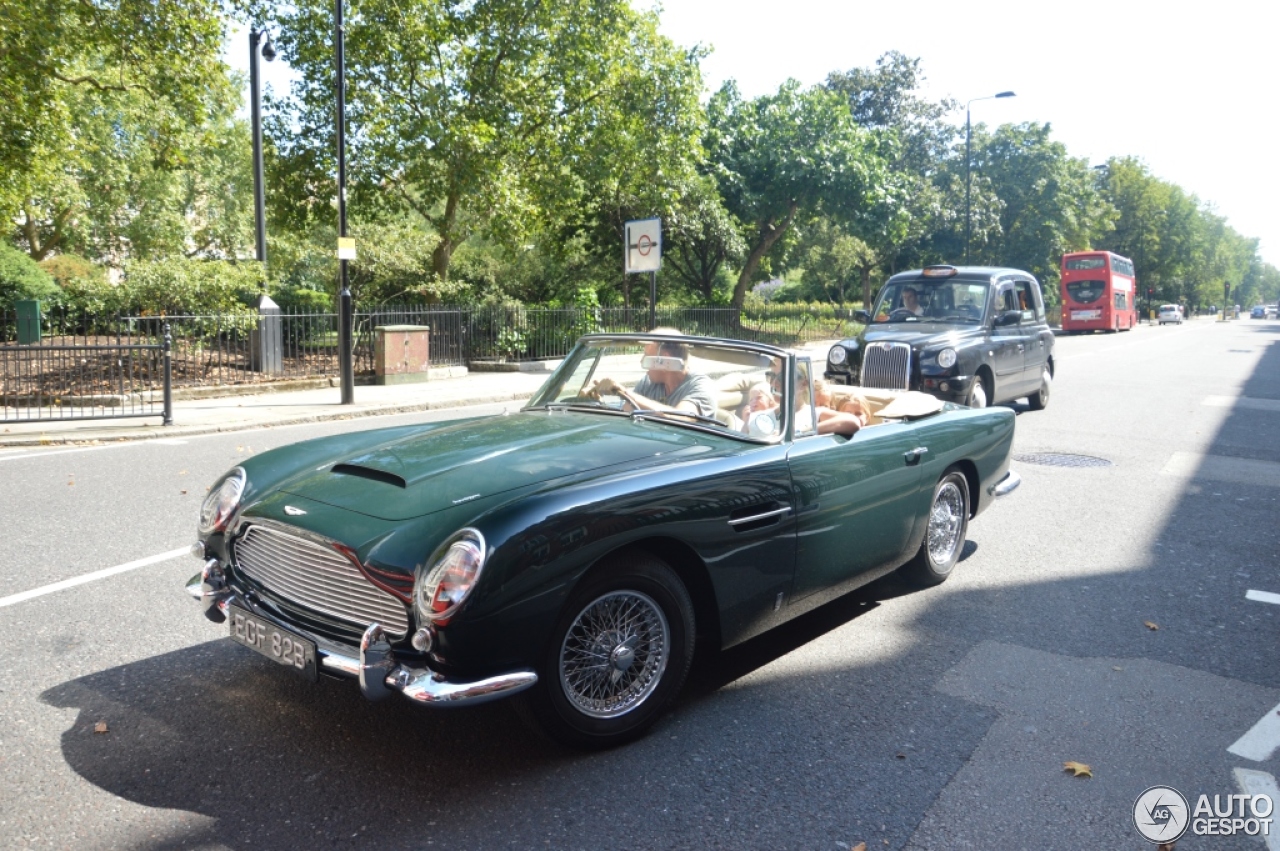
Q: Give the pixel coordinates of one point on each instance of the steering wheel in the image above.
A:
(901, 313)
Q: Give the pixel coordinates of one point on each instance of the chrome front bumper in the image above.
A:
(380, 675)
(1005, 486)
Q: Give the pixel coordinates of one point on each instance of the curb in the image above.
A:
(177, 430)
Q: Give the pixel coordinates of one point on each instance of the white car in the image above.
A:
(1169, 313)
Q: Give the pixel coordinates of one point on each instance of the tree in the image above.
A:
(1050, 202)
(165, 50)
(475, 116)
(789, 156)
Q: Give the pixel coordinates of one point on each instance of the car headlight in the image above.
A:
(222, 502)
(837, 355)
(947, 358)
(454, 568)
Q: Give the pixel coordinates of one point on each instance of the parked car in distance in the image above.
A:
(1272, 311)
(1169, 314)
(574, 554)
(976, 336)
(1259, 312)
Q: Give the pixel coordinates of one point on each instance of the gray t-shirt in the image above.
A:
(699, 389)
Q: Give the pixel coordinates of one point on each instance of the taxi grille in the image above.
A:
(316, 577)
(886, 366)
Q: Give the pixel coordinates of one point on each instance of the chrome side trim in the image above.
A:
(1005, 486)
(765, 516)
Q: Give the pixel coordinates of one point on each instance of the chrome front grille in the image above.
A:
(317, 577)
(887, 366)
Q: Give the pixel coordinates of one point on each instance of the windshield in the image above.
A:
(688, 381)
(1086, 292)
(932, 301)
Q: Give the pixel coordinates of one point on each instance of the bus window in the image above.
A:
(1086, 292)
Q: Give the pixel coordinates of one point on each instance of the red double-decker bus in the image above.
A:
(1099, 292)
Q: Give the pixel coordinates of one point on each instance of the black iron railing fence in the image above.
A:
(231, 348)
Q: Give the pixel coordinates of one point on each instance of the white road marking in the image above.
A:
(1263, 597)
(1261, 783)
(1223, 468)
(91, 577)
(1262, 739)
(1272, 405)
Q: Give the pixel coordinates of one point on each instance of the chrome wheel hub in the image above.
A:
(946, 519)
(614, 654)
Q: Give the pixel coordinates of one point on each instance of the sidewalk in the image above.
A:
(258, 409)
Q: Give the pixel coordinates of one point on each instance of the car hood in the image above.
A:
(920, 333)
(409, 476)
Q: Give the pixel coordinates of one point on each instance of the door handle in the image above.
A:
(1021, 347)
(914, 456)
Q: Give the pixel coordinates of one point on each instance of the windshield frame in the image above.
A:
(595, 355)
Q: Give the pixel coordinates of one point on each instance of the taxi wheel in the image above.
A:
(1040, 398)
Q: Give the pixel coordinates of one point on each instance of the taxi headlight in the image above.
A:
(454, 568)
(947, 358)
(222, 502)
(837, 355)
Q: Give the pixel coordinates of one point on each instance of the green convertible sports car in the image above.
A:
(657, 492)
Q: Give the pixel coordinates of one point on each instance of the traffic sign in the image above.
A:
(642, 250)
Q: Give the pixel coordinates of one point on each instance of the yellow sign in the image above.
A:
(346, 248)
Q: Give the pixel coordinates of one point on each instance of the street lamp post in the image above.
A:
(345, 367)
(255, 105)
(968, 182)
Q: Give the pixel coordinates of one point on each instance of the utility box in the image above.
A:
(400, 353)
(266, 342)
(28, 322)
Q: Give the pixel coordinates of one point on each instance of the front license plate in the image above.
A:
(279, 645)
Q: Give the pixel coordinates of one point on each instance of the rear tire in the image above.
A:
(944, 536)
(620, 652)
(1040, 398)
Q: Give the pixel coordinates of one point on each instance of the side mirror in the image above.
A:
(1009, 317)
(862, 316)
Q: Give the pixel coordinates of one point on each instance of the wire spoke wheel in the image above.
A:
(614, 654)
(946, 522)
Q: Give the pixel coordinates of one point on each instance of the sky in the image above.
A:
(1190, 94)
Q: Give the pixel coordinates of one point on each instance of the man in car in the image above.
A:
(911, 301)
(667, 385)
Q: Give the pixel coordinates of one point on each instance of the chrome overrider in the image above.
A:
(376, 668)
(1005, 486)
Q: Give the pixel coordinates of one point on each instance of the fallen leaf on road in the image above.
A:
(1077, 769)
(1151, 626)
(184, 493)
(100, 727)
(861, 846)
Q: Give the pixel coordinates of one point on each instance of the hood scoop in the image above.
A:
(371, 474)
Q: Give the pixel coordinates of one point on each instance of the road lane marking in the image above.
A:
(1262, 739)
(1272, 405)
(1263, 597)
(1222, 468)
(1261, 783)
(91, 577)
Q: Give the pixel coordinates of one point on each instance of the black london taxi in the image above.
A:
(977, 336)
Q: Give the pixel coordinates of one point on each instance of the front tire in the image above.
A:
(1040, 399)
(980, 393)
(944, 537)
(618, 656)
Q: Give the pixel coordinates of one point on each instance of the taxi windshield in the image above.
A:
(932, 301)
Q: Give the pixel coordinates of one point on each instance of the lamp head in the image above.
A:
(1006, 95)
(269, 50)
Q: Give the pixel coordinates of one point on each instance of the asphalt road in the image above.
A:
(1100, 616)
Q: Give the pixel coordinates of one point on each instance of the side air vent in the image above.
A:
(370, 473)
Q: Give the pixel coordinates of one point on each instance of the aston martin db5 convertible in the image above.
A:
(658, 492)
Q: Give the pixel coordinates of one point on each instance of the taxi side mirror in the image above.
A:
(1009, 317)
